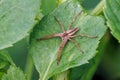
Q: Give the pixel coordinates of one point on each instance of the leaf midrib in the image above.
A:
(48, 68)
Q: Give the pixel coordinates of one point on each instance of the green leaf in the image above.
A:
(5, 59)
(17, 18)
(44, 52)
(14, 73)
(62, 76)
(89, 5)
(48, 6)
(86, 71)
(112, 59)
(18, 51)
(112, 11)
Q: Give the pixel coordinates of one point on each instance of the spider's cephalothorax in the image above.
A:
(69, 34)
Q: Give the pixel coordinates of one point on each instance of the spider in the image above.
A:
(66, 35)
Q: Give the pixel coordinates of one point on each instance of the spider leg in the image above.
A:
(74, 19)
(50, 36)
(62, 45)
(76, 44)
(83, 35)
(61, 25)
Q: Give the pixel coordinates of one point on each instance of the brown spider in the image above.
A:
(69, 34)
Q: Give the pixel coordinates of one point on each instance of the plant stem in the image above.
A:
(29, 67)
(99, 8)
(62, 76)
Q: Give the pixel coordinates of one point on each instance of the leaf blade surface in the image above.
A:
(44, 53)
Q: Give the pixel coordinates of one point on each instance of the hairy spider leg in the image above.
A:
(62, 45)
(76, 44)
(54, 35)
(74, 19)
(61, 25)
(50, 36)
(83, 35)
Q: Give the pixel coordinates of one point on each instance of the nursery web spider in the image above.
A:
(66, 35)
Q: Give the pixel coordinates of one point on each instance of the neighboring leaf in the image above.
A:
(14, 73)
(17, 18)
(112, 59)
(89, 5)
(48, 6)
(112, 13)
(83, 72)
(44, 52)
(5, 62)
(18, 51)
(5, 59)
